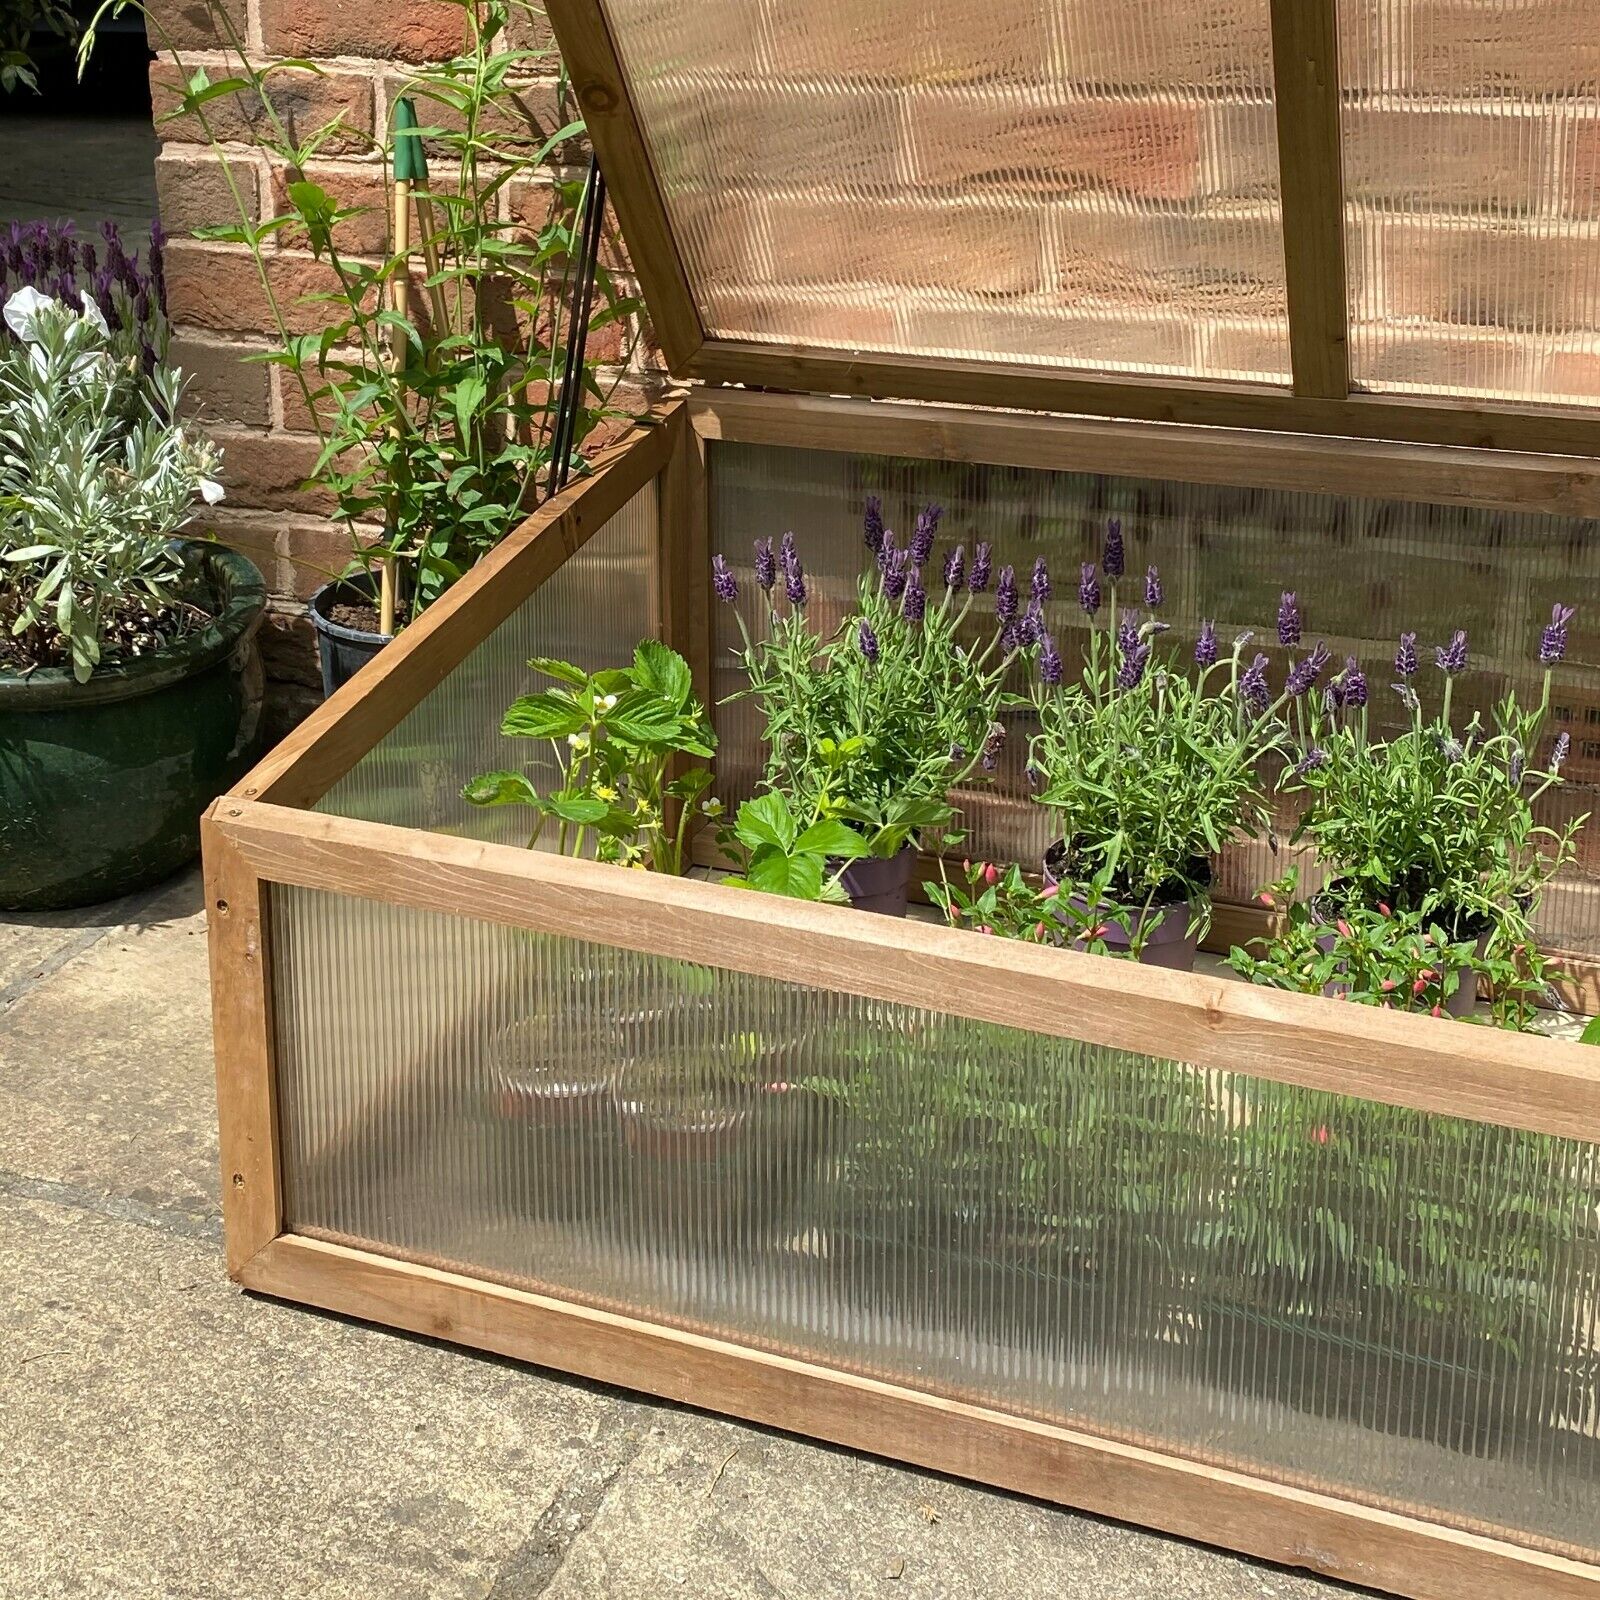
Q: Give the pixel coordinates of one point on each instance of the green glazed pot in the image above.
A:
(102, 783)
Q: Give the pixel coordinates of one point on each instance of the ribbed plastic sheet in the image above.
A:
(1471, 137)
(1397, 1307)
(1364, 570)
(592, 611)
(1059, 182)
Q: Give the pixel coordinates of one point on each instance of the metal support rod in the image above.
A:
(593, 209)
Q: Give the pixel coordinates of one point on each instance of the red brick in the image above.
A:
(304, 101)
(289, 649)
(1468, 48)
(1047, 329)
(193, 24)
(867, 322)
(1423, 157)
(1581, 167)
(1248, 349)
(530, 30)
(216, 287)
(390, 30)
(221, 386)
(1448, 360)
(314, 553)
(267, 471)
(356, 188)
(1571, 374)
(525, 115)
(193, 192)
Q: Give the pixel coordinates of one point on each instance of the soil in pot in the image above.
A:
(1168, 926)
(880, 883)
(345, 616)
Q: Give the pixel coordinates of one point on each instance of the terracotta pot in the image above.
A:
(880, 883)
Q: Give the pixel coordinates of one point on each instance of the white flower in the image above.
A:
(712, 807)
(211, 491)
(92, 313)
(578, 741)
(22, 312)
(607, 701)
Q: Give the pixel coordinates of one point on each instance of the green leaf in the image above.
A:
(543, 716)
(795, 877)
(831, 837)
(644, 718)
(577, 807)
(657, 667)
(500, 789)
(765, 821)
(1591, 1034)
(564, 671)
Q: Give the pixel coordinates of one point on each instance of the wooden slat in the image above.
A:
(1556, 430)
(684, 558)
(301, 769)
(1305, 65)
(241, 978)
(1486, 1074)
(597, 80)
(1434, 474)
(1195, 1500)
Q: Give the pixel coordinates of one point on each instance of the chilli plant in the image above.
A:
(618, 741)
(874, 723)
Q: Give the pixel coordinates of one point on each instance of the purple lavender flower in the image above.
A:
(894, 577)
(867, 642)
(1154, 594)
(1205, 647)
(1030, 630)
(874, 524)
(1253, 690)
(1134, 662)
(1405, 658)
(982, 563)
(1051, 670)
(1289, 619)
(958, 753)
(916, 601)
(1353, 684)
(1558, 754)
(1088, 589)
(993, 744)
(887, 552)
(1039, 588)
(794, 581)
(723, 581)
(925, 533)
(1408, 695)
(1311, 761)
(1128, 632)
(1306, 672)
(1553, 641)
(1452, 657)
(788, 551)
(766, 565)
(1113, 560)
(1005, 596)
(955, 568)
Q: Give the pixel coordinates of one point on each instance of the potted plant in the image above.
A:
(130, 686)
(1149, 770)
(433, 384)
(869, 728)
(1437, 822)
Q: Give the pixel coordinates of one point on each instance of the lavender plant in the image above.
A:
(874, 725)
(1438, 820)
(1149, 764)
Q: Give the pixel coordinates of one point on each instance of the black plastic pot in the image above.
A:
(344, 651)
(102, 783)
(881, 884)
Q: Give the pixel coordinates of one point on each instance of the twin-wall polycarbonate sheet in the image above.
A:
(1365, 569)
(1395, 1306)
(1061, 182)
(592, 611)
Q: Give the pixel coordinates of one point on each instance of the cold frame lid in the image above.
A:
(1228, 212)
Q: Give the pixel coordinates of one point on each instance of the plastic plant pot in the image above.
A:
(344, 651)
(1168, 932)
(881, 883)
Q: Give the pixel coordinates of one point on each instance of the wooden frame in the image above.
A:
(262, 835)
(1319, 400)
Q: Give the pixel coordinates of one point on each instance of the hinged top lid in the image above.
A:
(1115, 208)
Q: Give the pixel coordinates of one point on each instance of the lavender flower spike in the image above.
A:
(1154, 594)
(894, 577)
(1051, 670)
(886, 553)
(1311, 761)
(1289, 619)
(723, 581)
(874, 524)
(867, 642)
(926, 531)
(794, 581)
(1553, 642)
(1088, 589)
(1005, 596)
(993, 744)
(982, 565)
(1031, 629)
(916, 601)
(1205, 647)
(955, 568)
(1040, 587)
(1113, 561)
(788, 551)
(1253, 689)
(1559, 754)
(1452, 657)
(766, 565)
(1353, 684)
(1305, 673)
(1134, 662)
(1405, 658)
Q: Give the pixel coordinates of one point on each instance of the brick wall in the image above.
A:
(218, 312)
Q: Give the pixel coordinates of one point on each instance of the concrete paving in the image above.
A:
(164, 1435)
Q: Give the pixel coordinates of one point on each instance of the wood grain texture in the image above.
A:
(1195, 1500)
(1433, 474)
(1546, 430)
(1485, 1074)
(302, 768)
(590, 56)
(241, 1017)
(1305, 66)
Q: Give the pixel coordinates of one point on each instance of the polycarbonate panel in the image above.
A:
(1393, 1306)
(592, 611)
(1472, 184)
(1365, 570)
(1059, 182)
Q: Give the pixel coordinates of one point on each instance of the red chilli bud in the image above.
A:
(1050, 891)
(1100, 930)
(1264, 899)
(991, 873)
(1038, 930)
(1419, 986)
(1383, 910)
(1343, 927)
(985, 928)
(1387, 985)
(1438, 1011)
